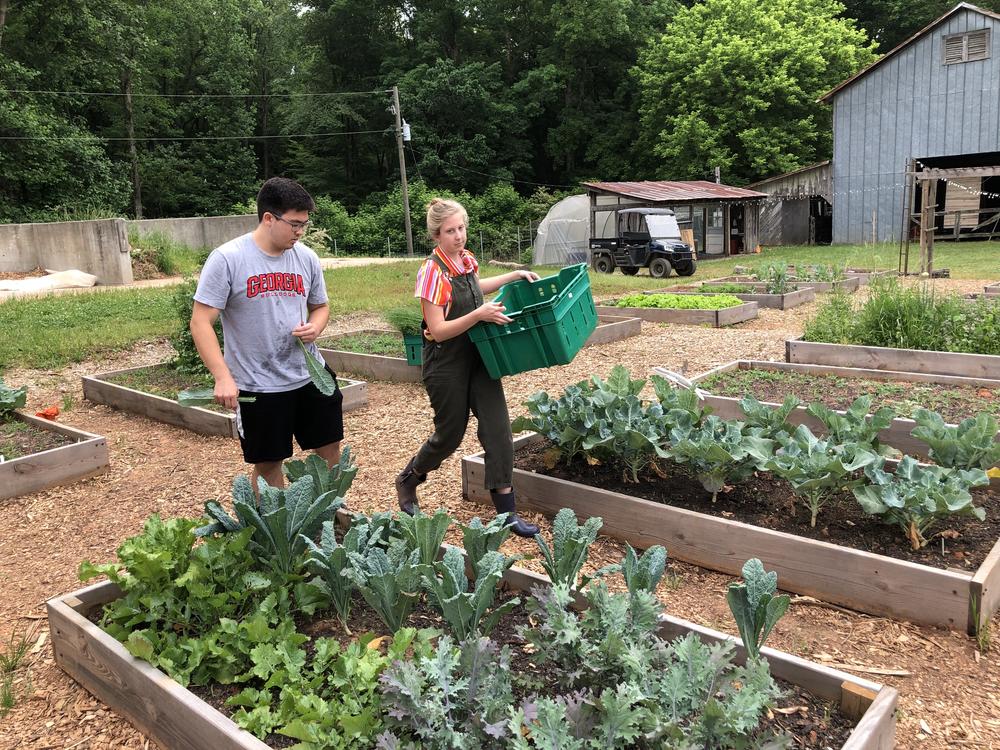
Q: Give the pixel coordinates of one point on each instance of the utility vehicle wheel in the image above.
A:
(685, 269)
(659, 268)
(604, 264)
(630, 270)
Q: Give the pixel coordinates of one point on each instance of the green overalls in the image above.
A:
(457, 382)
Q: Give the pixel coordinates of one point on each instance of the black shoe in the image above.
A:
(406, 488)
(504, 503)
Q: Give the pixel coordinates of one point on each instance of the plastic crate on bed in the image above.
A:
(552, 319)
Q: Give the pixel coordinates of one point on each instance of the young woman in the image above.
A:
(451, 297)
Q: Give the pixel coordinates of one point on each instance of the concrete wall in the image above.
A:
(97, 247)
(199, 231)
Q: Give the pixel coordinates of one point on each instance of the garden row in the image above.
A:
(294, 628)
(609, 441)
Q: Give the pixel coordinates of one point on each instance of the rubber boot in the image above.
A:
(406, 488)
(504, 503)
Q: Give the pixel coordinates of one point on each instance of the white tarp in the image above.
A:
(564, 234)
(54, 280)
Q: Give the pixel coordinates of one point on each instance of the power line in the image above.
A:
(186, 137)
(194, 96)
(497, 177)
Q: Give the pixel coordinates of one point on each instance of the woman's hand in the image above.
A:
(492, 312)
(528, 275)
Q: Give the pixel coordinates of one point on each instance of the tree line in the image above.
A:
(181, 107)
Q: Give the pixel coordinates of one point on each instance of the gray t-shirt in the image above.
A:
(262, 298)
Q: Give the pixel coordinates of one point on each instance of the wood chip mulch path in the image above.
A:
(950, 694)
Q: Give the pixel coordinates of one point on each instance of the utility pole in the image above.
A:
(130, 130)
(718, 175)
(402, 170)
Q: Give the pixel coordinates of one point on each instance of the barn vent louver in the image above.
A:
(972, 45)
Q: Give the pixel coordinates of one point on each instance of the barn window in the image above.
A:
(972, 45)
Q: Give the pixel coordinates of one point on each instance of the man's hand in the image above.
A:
(308, 332)
(226, 392)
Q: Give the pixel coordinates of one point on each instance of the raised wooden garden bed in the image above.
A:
(726, 316)
(785, 301)
(177, 719)
(985, 367)
(865, 275)
(370, 366)
(96, 388)
(992, 290)
(850, 284)
(614, 328)
(85, 455)
(864, 581)
(896, 435)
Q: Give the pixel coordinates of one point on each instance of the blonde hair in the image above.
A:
(440, 209)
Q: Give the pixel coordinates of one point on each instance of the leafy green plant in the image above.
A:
(280, 521)
(643, 573)
(679, 301)
(11, 659)
(11, 399)
(479, 538)
(854, 426)
(765, 421)
(318, 374)
(719, 452)
(205, 397)
(388, 579)
(465, 610)
(917, 497)
(816, 469)
(681, 406)
(336, 479)
(424, 533)
(188, 360)
(971, 444)
(406, 319)
(570, 545)
(754, 605)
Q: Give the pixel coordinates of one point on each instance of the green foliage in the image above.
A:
(916, 497)
(854, 426)
(168, 256)
(336, 479)
(754, 605)
(188, 360)
(406, 319)
(205, 397)
(751, 73)
(818, 468)
(479, 538)
(388, 579)
(465, 610)
(570, 545)
(11, 399)
(318, 374)
(424, 533)
(281, 521)
(679, 301)
(719, 452)
(971, 444)
(643, 573)
(765, 421)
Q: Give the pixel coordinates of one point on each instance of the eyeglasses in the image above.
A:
(298, 226)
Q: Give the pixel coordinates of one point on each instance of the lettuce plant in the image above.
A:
(853, 426)
(281, 521)
(570, 546)
(754, 605)
(388, 580)
(465, 610)
(719, 452)
(971, 444)
(917, 497)
(816, 469)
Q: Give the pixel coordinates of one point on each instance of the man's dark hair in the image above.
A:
(280, 194)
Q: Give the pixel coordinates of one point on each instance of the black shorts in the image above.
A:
(268, 424)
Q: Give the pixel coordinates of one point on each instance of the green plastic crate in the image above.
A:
(414, 344)
(552, 319)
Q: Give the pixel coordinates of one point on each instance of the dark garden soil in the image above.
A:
(813, 722)
(953, 402)
(19, 439)
(367, 342)
(767, 502)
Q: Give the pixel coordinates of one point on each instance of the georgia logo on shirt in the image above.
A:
(275, 285)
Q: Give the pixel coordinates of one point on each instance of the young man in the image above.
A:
(268, 290)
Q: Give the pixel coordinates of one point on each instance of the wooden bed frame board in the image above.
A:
(897, 435)
(96, 388)
(863, 581)
(371, 366)
(978, 366)
(848, 284)
(992, 290)
(175, 718)
(785, 301)
(714, 318)
(87, 456)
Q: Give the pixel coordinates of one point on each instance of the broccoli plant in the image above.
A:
(565, 422)
(854, 426)
(628, 434)
(680, 405)
(917, 497)
(971, 444)
(817, 469)
(719, 452)
(570, 546)
(767, 422)
(754, 605)
(11, 399)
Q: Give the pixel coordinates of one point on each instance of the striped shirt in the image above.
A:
(433, 285)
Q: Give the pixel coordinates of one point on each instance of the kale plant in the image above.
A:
(570, 546)
(389, 580)
(754, 605)
(917, 497)
(336, 479)
(971, 444)
(424, 533)
(479, 538)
